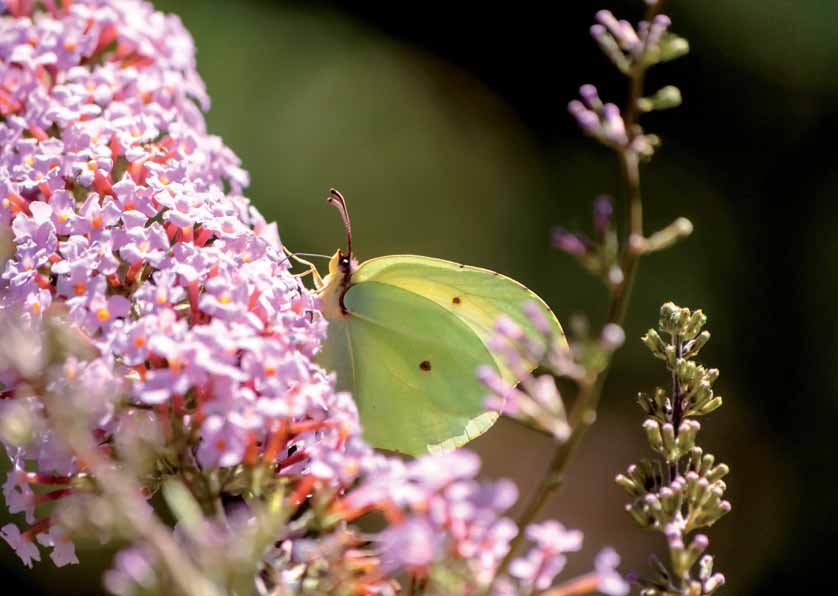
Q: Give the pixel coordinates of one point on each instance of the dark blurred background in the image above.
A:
(446, 127)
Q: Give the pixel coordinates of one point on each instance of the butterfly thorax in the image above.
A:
(336, 284)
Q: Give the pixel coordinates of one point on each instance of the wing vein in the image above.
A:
(351, 356)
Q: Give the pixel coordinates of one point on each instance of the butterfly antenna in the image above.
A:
(312, 254)
(336, 199)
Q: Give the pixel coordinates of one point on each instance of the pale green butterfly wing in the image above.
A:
(410, 365)
(403, 310)
(475, 296)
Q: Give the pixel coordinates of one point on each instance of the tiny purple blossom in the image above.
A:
(222, 443)
(611, 582)
(572, 244)
(132, 568)
(17, 492)
(411, 545)
(21, 544)
(590, 96)
(546, 559)
(63, 211)
(63, 550)
(427, 472)
(145, 244)
(587, 119)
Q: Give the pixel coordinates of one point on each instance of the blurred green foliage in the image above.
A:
(788, 41)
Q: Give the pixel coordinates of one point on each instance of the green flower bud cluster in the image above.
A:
(695, 497)
(683, 490)
(706, 581)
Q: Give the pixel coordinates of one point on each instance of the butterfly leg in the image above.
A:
(312, 270)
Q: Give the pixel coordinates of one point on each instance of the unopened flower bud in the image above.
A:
(657, 28)
(603, 212)
(570, 243)
(705, 567)
(653, 434)
(693, 347)
(714, 583)
(718, 473)
(535, 313)
(590, 96)
(613, 127)
(612, 337)
(697, 547)
(668, 236)
(628, 485)
(686, 435)
(707, 461)
(655, 344)
(610, 47)
(615, 276)
(710, 406)
(672, 47)
(670, 450)
(587, 119)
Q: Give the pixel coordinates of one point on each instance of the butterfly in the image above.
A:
(406, 335)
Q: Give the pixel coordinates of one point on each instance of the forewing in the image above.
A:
(475, 296)
(410, 365)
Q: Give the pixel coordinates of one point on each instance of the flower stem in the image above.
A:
(125, 495)
(677, 403)
(584, 410)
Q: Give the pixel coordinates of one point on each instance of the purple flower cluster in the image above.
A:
(437, 511)
(127, 216)
(536, 401)
(546, 559)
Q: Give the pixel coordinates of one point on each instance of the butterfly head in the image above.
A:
(342, 264)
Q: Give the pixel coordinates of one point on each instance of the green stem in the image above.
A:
(677, 398)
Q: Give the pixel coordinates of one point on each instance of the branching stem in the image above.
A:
(584, 410)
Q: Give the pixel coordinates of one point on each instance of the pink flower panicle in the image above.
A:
(127, 214)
